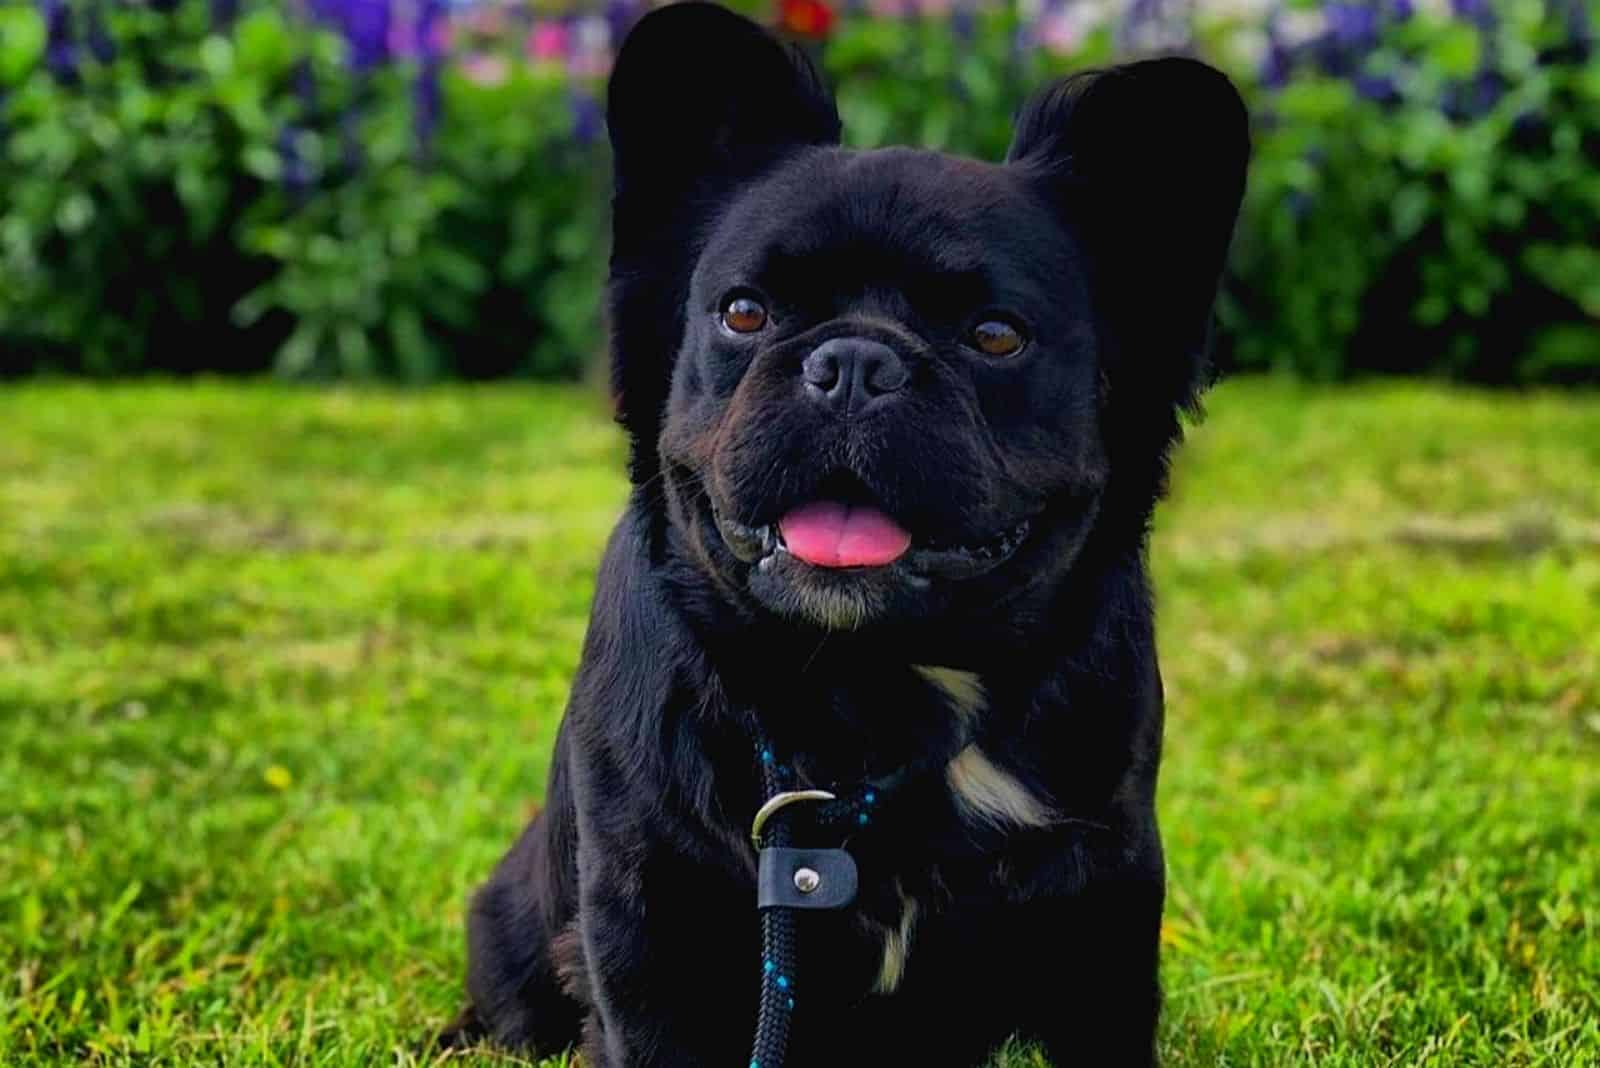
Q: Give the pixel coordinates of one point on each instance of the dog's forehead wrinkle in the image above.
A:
(905, 199)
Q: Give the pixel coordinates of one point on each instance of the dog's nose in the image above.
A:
(849, 374)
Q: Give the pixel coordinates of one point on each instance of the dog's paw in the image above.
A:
(462, 1033)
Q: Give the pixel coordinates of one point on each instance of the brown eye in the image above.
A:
(995, 338)
(744, 315)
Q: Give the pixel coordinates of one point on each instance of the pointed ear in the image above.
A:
(1147, 162)
(700, 101)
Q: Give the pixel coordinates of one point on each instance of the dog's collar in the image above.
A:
(840, 809)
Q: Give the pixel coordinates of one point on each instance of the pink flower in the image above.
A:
(547, 41)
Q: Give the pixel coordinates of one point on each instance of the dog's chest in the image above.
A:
(942, 858)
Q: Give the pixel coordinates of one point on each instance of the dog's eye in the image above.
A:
(993, 337)
(744, 314)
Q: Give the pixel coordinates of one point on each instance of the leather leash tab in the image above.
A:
(805, 878)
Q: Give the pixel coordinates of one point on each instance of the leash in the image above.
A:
(790, 879)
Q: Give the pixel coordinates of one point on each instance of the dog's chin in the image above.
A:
(852, 598)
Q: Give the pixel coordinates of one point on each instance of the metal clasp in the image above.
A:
(777, 803)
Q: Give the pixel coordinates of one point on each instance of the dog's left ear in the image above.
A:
(701, 101)
(1147, 163)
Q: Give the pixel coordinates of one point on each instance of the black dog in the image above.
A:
(898, 421)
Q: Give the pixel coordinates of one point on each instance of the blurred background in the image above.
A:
(305, 471)
(414, 189)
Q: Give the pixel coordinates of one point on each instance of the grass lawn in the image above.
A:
(279, 670)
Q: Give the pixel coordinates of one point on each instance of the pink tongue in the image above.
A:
(833, 534)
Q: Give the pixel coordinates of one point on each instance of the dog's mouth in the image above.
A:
(843, 529)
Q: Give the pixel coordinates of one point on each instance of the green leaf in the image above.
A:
(1456, 51)
(22, 41)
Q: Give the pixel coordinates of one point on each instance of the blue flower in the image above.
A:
(1278, 61)
(296, 175)
(1475, 11)
(100, 44)
(61, 51)
(587, 119)
(367, 30)
(305, 85)
(426, 99)
(1352, 24)
(620, 16)
(1377, 87)
(963, 20)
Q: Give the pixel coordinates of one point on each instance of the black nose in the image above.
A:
(849, 374)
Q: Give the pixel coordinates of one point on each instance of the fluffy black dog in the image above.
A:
(898, 424)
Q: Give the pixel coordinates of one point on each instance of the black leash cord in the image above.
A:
(771, 1043)
(842, 813)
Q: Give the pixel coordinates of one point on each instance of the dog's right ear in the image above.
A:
(700, 100)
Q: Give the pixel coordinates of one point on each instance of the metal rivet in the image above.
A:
(806, 880)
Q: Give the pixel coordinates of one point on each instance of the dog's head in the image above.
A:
(893, 386)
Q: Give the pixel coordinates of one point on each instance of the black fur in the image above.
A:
(624, 916)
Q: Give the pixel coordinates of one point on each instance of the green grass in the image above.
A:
(279, 671)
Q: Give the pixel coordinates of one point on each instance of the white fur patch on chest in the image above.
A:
(896, 947)
(987, 792)
(984, 790)
(962, 689)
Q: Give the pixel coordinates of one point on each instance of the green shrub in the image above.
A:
(245, 197)
(1431, 203)
(187, 191)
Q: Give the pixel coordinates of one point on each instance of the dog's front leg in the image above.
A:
(671, 984)
(1105, 1010)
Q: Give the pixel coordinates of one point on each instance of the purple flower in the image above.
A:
(963, 20)
(296, 176)
(61, 51)
(100, 44)
(1277, 64)
(431, 29)
(364, 24)
(1352, 24)
(1475, 11)
(1404, 10)
(1487, 89)
(587, 118)
(426, 99)
(223, 12)
(367, 30)
(425, 94)
(1378, 88)
(620, 17)
(305, 85)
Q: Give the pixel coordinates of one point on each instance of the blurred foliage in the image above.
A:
(243, 196)
(1427, 199)
(950, 84)
(214, 186)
